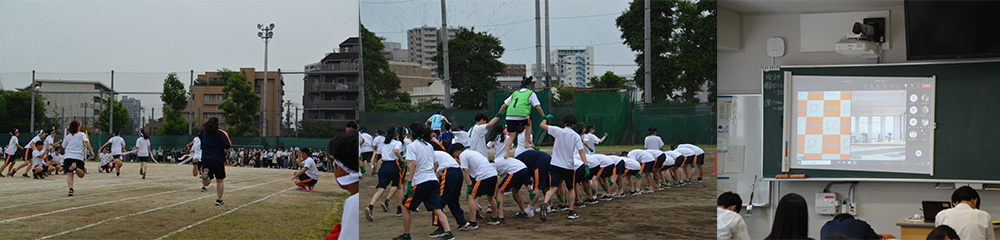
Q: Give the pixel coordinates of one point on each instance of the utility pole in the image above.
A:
(647, 66)
(548, 63)
(361, 73)
(111, 105)
(265, 34)
(277, 103)
(191, 103)
(538, 40)
(32, 101)
(443, 37)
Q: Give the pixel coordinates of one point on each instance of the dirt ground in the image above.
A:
(686, 212)
(259, 204)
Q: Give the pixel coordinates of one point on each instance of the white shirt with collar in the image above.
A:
(970, 223)
(730, 225)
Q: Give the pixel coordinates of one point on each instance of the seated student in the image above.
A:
(307, 177)
(943, 232)
(965, 217)
(791, 218)
(40, 166)
(729, 223)
(847, 226)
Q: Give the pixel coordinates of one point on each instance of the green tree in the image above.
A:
(176, 99)
(396, 102)
(608, 80)
(381, 82)
(317, 129)
(241, 105)
(121, 117)
(432, 104)
(682, 36)
(473, 59)
(15, 108)
(564, 97)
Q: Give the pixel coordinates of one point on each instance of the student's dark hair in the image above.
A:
(497, 133)
(420, 132)
(210, 126)
(624, 153)
(12, 131)
(480, 117)
(791, 218)
(455, 147)
(352, 124)
(363, 129)
(461, 127)
(39, 143)
(652, 130)
(843, 216)
(343, 148)
(675, 146)
(74, 127)
(527, 80)
(569, 120)
(307, 151)
(50, 131)
(839, 236)
(446, 126)
(390, 134)
(589, 127)
(438, 112)
(379, 131)
(143, 133)
(940, 232)
(118, 132)
(729, 199)
(964, 193)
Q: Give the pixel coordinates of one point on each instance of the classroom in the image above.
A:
(863, 107)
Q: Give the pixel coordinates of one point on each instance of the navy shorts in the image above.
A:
(631, 172)
(72, 161)
(659, 161)
(367, 156)
(516, 125)
(307, 180)
(593, 172)
(579, 175)
(620, 168)
(9, 158)
(558, 175)
(538, 164)
(484, 187)
(665, 166)
(390, 174)
(143, 159)
(688, 159)
(214, 169)
(515, 180)
(428, 193)
(606, 172)
(647, 167)
(45, 168)
(701, 159)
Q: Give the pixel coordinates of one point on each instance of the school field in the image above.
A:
(686, 212)
(168, 204)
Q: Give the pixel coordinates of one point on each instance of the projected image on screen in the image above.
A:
(861, 123)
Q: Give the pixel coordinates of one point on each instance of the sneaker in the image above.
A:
(479, 213)
(218, 202)
(448, 236)
(70, 192)
(35, 175)
(700, 180)
(469, 226)
(562, 207)
(439, 232)
(25, 175)
(399, 211)
(591, 201)
(544, 210)
(310, 188)
(368, 213)
(573, 215)
(143, 175)
(300, 188)
(521, 215)
(119, 173)
(385, 206)
(648, 191)
(493, 221)
(203, 189)
(405, 236)
(41, 176)
(606, 197)
(579, 203)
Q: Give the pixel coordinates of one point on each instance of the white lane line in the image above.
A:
(222, 214)
(151, 210)
(97, 204)
(99, 186)
(87, 195)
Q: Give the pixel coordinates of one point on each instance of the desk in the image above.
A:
(919, 230)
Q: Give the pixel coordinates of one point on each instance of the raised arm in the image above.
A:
(539, 108)
(492, 121)
(544, 125)
(502, 108)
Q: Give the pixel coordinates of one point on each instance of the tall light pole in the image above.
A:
(265, 34)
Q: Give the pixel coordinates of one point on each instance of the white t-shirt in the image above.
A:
(684, 151)
(655, 153)
(116, 145)
(607, 160)
(75, 145)
(196, 148)
(653, 142)
(367, 146)
(388, 150)
(12, 146)
(641, 155)
(477, 139)
(521, 144)
(564, 148)
(406, 142)
(444, 160)
(671, 156)
(506, 166)
(697, 150)
(37, 157)
(479, 167)
(969, 223)
(58, 158)
(460, 137)
(591, 140)
(631, 164)
(49, 140)
(423, 155)
(377, 142)
(498, 148)
(105, 158)
(311, 170)
(730, 225)
(142, 147)
(533, 99)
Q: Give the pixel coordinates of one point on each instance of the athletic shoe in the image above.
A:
(203, 189)
(35, 175)
(218, 202)
(25, 175)
(399, 211)
(405, 236)
(439, 232)
(143, 173)
(479, 213)
(385, 206)
(700, 180)
(448, 236)
(300, 188)
(118, 173)
(41, 176)
(541, 214)
(591, 201)
(368, 213)
(70, 192)
(579, 203)
(573, 215)
(606, 197)
(493, 221)
(636, 193)
(562, 207)
(310, 188)
(469, 226)
(521, 215)
(648, 191)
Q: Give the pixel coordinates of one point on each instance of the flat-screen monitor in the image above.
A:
(951, 29)
(881, 124)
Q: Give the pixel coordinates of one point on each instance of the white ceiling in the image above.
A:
(808, 6)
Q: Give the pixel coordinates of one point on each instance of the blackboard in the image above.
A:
(967, 137)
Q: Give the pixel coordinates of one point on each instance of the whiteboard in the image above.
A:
(741, 129)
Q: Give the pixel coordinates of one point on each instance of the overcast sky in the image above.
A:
(144, 40)
(573, 23)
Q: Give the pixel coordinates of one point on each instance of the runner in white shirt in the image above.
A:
(76, 142)
(566, 141)
(27, 154)
(686, 166)
(142, 150)
(515, 174)
(367, 146)
(647, 161)
(653, 141)
(966, 218)
(480, 176)
(117, 146)
(307, 177)
(699, 159)
(477, 135)
(390, 172)
(377, 143)
(729, 223)
(8, 153)
(591, 140)
(422, 185)
(195, 146)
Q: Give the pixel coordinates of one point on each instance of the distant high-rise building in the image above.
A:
(207, 94)
(512, 75)
(331, 85)
(83, 106)
(394, 51)
(422, 43)
(573, 67)
(134, 107)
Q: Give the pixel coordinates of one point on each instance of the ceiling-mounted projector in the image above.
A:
(856, 48)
